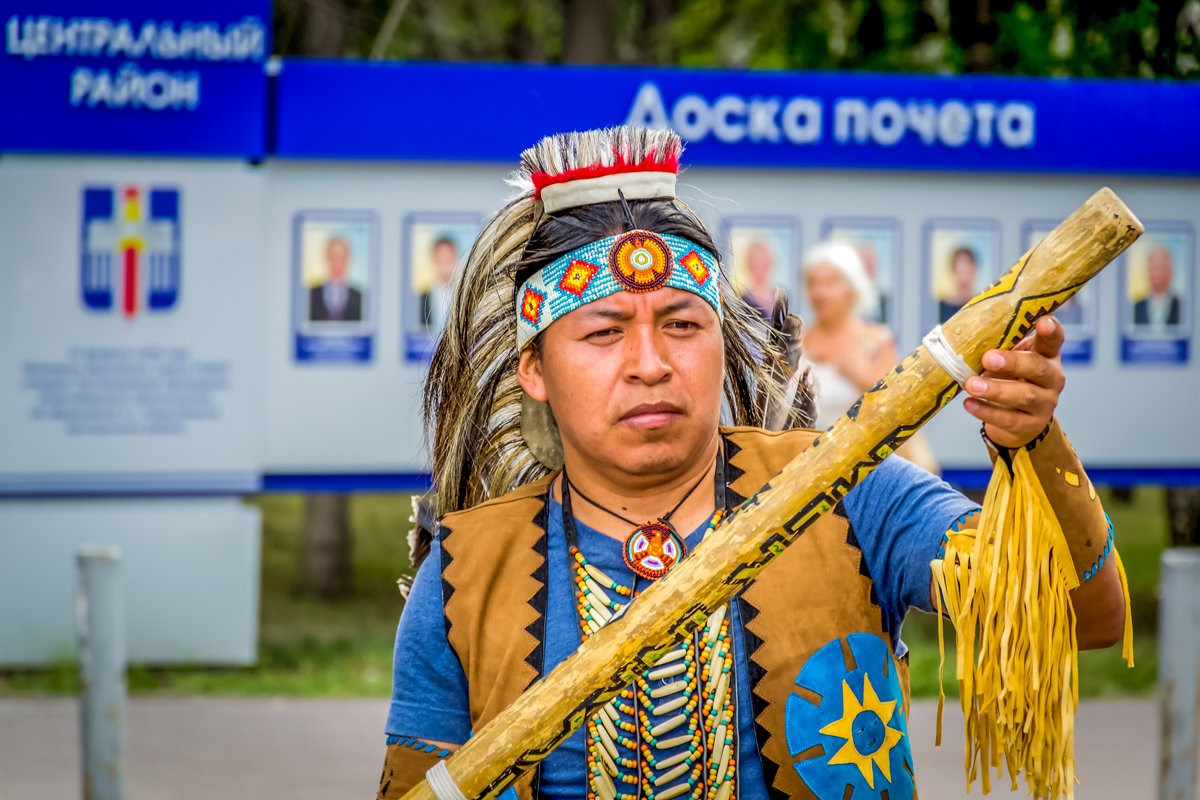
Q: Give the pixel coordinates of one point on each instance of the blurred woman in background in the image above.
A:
(848, 352)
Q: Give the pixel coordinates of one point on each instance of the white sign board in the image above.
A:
(131, 325)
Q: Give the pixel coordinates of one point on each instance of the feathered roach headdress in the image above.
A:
(489, 437)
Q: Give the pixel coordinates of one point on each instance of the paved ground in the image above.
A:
(199, 749)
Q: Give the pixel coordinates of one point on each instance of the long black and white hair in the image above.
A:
(473, 402)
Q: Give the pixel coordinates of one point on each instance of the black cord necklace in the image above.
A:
(651, 548)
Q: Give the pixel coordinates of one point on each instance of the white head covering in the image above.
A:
(846, 260)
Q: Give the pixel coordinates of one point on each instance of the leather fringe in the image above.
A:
(1006, 589)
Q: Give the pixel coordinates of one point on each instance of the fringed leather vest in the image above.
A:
(830, 699)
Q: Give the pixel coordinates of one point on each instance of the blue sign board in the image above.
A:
(457, 112)
(144, 77)
(188, 78)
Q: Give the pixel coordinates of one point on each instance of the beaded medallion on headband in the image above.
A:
(637, 261)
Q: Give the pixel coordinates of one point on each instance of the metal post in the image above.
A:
(1179, 673)
(100, 628)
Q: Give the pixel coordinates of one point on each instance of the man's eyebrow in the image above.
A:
(682, 304)
(608, 313)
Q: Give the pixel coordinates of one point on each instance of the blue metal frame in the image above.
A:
(1116, 477)
(399, 482)
(1129, 337)
(877, 223)
(363, 334)
(408, 303)
(929, 303)
(411, 482)
(419, 482)
(787, 274)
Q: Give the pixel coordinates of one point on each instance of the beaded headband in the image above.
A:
(637, 261)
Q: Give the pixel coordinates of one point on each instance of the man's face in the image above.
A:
(963, 269)
(338, 255)
(445, 256)
(634, 381)
(759, 263)
(1158, 270)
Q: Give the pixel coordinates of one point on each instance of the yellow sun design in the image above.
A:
(864, 726)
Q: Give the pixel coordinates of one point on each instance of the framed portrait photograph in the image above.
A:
(1157, 296)
(762, 258)
(962, 256)
(335, 279)
(877, 240)
(1081, 314)
(434, 248)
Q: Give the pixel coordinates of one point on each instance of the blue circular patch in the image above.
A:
(847, 727)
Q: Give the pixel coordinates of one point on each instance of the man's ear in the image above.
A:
(529, 375)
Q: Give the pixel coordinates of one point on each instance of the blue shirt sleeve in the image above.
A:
(429, 688)
(900, 514)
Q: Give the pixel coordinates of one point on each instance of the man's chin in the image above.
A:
(646, 452)
(655, 455)
(648, 467)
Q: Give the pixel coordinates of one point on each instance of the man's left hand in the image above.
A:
(1019, 389)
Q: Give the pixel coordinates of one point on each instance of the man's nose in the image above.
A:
(646, 355)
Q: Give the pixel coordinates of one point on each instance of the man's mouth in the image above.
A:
(651, 415)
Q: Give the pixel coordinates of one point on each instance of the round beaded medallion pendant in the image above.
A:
(652, 549)
(640, 261)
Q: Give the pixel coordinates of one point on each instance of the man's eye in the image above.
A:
(604, 334)
(682, 325)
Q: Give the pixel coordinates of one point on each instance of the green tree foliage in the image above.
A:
(1103, 38)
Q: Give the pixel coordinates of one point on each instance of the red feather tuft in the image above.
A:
(622, 166)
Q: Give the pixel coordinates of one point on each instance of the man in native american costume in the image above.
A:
(601, 394)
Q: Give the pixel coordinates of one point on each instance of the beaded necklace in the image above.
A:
(672, 732)
(653, 547)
